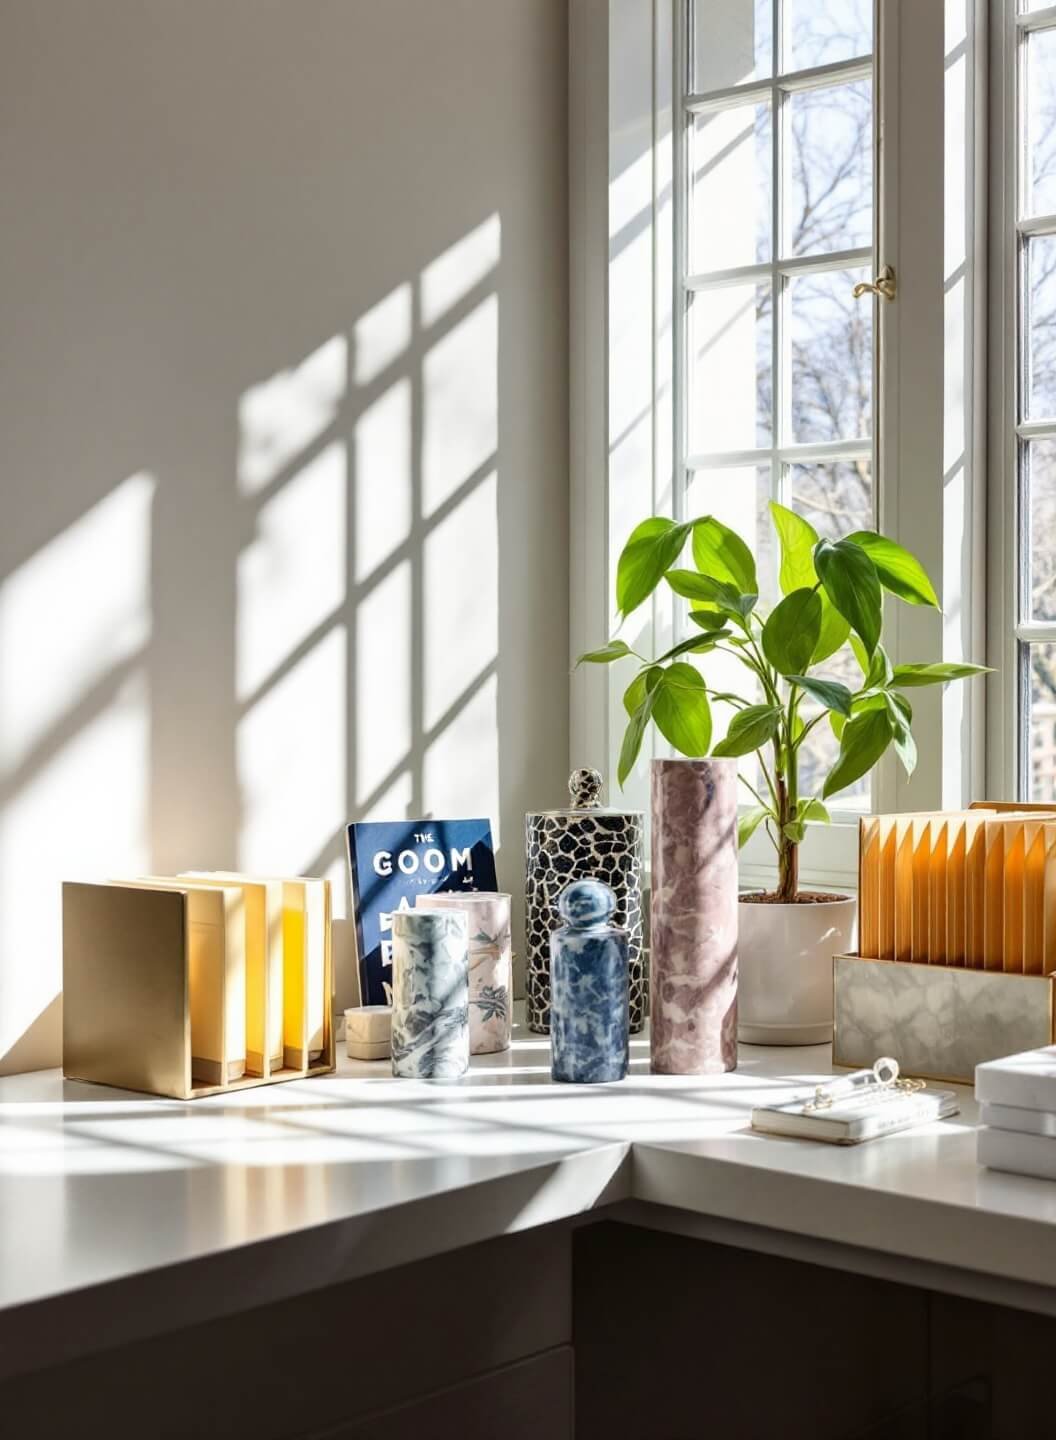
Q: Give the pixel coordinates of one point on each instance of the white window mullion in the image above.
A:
(1003, 700)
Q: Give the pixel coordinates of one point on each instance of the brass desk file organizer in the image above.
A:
(956, 961)
(138, 957)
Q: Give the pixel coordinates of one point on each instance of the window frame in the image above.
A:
(824, 853)
(1012, 631)
(624, 56)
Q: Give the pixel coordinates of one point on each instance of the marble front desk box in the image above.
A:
(939, 1021)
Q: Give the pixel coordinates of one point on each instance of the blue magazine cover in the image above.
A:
(389, 863)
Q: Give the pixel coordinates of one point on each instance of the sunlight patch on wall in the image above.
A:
(461, 582)
(453, 274)
(282, 416)
(291, 749)
(291, 577)
(384, 630)
(461, 772)
(395, 803)
(461, 403)
(383, 478)
(74, 736)
(71, 614)
(382, 334)
(82, 815)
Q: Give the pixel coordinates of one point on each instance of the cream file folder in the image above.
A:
(305, 964)
(869, 885)
(965, 888)
(1014, 899)
(216, 976)
(955, 890)
(263, 910)
(903, 920)
(920, 832)
(888, 849)
(938, 884)
(306, 939)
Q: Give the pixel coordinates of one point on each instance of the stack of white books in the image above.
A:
(1017, 1108)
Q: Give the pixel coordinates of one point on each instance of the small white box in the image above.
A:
(368, 1032)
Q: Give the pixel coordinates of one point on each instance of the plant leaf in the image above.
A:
(632, 737)
(908, 676)
(853, 586)
(797, 538)
(720, 552)
(828, 693)
(812, 810)
(696, 644)
(748, 824)
(639, 688)
(865, 738)
(899, 571)
(791, 632)
(653, 547)
(880, 671)
(681, 710)
(795, 831)
(905, 745)
(614, 650)
(750, 729)
(834, 631)
(708, 619)
(692, 586)
(837, 722)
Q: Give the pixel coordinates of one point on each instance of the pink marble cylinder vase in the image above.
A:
(490, 963)
(693, 918)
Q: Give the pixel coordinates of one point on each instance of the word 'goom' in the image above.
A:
(408, 862)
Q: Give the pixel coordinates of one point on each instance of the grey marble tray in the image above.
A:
(938, 1021)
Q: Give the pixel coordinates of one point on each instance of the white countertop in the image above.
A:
(197, 1209)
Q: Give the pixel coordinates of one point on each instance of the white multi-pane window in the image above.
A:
(774, 221)
(1025, 398)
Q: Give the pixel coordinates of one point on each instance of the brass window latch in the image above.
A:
(884, 285)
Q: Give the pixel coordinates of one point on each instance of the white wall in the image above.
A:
(283, 439)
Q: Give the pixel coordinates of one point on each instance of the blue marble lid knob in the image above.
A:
(586, 903)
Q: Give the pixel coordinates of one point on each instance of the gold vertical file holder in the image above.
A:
(126, 994)
(940, 980)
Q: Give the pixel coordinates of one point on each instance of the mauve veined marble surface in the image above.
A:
(589, 988)
(430, 994)
(693, 949)
(490, 964)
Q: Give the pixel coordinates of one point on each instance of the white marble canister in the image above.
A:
(490, 963)
(430, 995)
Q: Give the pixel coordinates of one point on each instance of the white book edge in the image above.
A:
(848, 1128)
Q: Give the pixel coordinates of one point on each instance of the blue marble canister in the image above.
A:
(430, 994)
(589, 988)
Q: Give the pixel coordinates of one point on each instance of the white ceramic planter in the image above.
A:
(784, 956)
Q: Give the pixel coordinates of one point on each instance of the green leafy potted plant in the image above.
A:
(831, 598)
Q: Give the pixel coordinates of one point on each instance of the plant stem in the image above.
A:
(787, 851)
(788, 784)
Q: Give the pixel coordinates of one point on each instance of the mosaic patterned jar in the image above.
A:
(584, 842)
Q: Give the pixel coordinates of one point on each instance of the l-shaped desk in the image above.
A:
(127, 1220)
